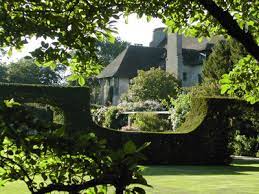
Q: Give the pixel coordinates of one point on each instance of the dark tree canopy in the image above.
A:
(108, 51)
(26, 72)
(77, 24)
(222, 59)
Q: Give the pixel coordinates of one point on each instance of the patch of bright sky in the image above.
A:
(135, 31)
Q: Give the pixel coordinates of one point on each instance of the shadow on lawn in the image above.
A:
(238, 167)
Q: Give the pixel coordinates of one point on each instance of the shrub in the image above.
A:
(155, 84)
(149, 122)
(98, 115)
(181, 106)
(244, 145)
(49, 159)
(109, 117)
(113, 119)
(148, 105)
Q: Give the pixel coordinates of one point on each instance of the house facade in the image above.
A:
(177, 54)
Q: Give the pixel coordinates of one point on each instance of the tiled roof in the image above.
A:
(132, 59)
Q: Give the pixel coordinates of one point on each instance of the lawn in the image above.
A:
(242, 176)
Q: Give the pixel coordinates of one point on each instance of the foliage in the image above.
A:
(108, 51)
(243, 145)
(148, 105)
(25, 71)
(109, 117)
(242, 173)
(209, 132)
(98, 115)
(31, 148)
(154, 84)
(222, 59)
(242, 81)
(206, 88)
(148, 121)
(77, 25)
(81, 72)
(180, 107)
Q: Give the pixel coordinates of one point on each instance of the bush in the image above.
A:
(148, 105)
(149, 122)
(109, 117)
(243, 145)
(113, 119)
(70, 158)
(181, 106)
(155, 84)
(98, 114)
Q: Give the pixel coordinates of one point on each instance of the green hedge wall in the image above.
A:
(203, 138)
(72, 100)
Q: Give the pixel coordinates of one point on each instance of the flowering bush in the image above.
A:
(148, 105)
(109, 117)
(98, 115)
(180, 108)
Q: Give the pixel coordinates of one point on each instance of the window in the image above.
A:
(184, 76)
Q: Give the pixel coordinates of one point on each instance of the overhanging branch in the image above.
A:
(231, 26)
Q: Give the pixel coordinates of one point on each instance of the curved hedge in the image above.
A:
(203, 138)
(72, 100)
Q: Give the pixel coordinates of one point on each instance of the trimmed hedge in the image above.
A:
(203, 138)
(72, 100)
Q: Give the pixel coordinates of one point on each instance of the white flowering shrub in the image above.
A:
(179, 109)
(148, 105)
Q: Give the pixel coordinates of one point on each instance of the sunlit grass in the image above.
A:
(242, 176)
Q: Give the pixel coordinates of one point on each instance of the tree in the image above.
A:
(224, 55)
(154, 84)
(107, 51)
(242, 81)
(46, 158)
(26, 72)
(78, 24)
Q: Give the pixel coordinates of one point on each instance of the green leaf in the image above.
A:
(224, 88)
(11, 103)
(10, 52)
(81, 81)
(139, 190)
(73, 77)
(129, 147)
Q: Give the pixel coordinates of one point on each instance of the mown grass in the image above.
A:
(242, 176)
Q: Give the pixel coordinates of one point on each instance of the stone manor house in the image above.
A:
(177, 54)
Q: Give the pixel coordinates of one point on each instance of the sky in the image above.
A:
(136, 31)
